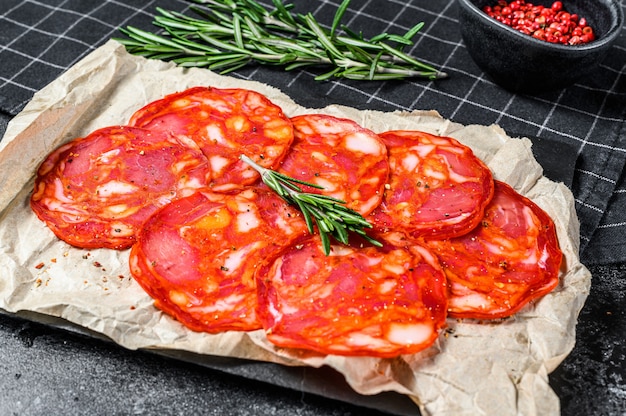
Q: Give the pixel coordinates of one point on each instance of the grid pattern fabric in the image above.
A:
(40, 39)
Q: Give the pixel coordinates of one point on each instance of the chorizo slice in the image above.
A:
(357, 301)
(348, 161)
(225, 123)
(511, 258)
(96, 191)
(196, 257)
(437, 187)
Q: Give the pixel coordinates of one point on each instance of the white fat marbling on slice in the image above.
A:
(182, 165)
(435, 174)
(328, 186)
(189, 184)
(285, 226)
(54, 204)
(119, 229)
(238, 123)
(216, 104)
(457, 178)
(529, 219)
(410, 162)
(341, 250)
(465, 299)
(247, 221)
(188, 141)
(426, 255)
(107, 157)
(225, 304)
(215, 134)
(454, 176)
(423, 150)
(396, 269)
(359, 142)
(359, 339)
(387, 286)
(273, 151)
(369, 205)
(59, 192)
(119, 211)
(115, 188)
(320, 156)
(218, 163)
(408, 334)
(236, 258)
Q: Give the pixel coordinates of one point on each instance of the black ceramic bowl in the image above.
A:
(521, 63)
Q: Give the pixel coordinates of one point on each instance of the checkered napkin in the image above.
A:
(41, 39)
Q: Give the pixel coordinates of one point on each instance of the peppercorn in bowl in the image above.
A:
(530, 46)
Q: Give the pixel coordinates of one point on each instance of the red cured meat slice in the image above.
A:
(349, 161)
(437, 187)
(196, 257)
(371, 301)
(225, 123)
(96, 191)
(511, 258)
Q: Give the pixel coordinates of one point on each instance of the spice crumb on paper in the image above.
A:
(497, 367)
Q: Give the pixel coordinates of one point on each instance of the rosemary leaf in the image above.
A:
(330, 214)
(322, 37)
(407, 58)
(308, 218)
(338, 16)
(325, 243)
(284, 14)
(237, 32)
(413, 31)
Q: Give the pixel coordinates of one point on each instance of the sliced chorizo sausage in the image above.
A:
(197, 256)
(225, 123)
(359, 300)
(511, 258)
(437, 187)
(348, 161)
(96, 191)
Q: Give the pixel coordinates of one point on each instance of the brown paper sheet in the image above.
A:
(474, 368)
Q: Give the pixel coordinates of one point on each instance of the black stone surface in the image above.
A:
(592, 379)
(47, 371)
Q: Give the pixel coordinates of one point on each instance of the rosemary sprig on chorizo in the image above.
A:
(329, 214)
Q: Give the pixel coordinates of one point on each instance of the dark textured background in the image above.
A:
(50, 371)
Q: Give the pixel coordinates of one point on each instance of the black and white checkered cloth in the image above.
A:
(41, 39)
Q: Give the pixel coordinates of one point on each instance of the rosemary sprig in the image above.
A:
(330, 214)
(230, 34)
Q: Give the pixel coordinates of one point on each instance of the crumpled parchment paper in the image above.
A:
(474, 368)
